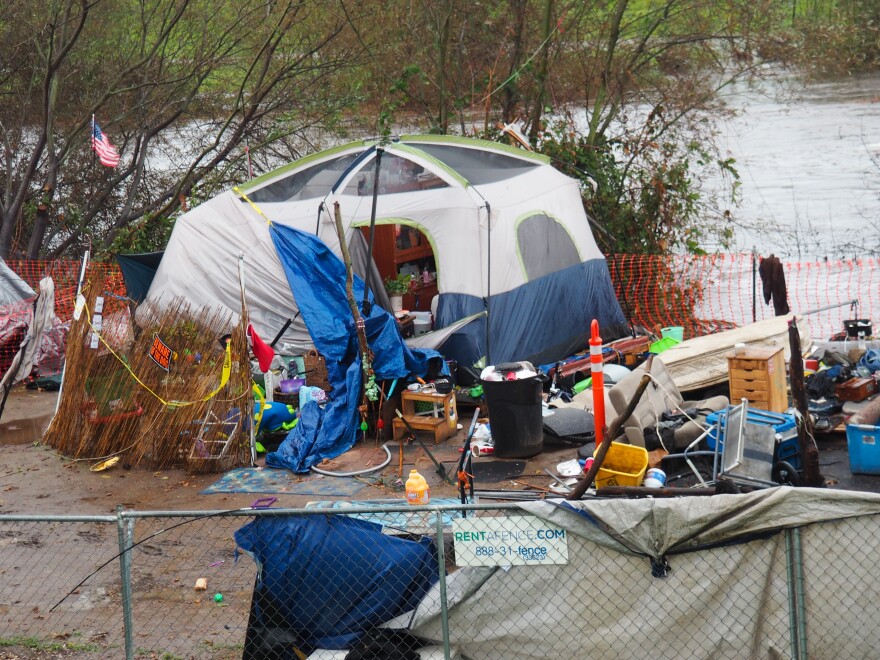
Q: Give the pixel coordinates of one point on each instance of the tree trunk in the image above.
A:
(443, 48)
(538, 110)
(510, 96)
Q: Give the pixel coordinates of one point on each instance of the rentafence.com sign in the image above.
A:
(513, 541)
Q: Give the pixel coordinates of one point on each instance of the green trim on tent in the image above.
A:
(405, 148)
(532, 214)
(303, 162)
(408, 223)
(476, 142)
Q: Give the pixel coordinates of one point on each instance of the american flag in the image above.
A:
(107, 153)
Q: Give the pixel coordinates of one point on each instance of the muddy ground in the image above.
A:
(41, 562)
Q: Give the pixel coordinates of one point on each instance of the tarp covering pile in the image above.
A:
(726, 592)
(329, 579)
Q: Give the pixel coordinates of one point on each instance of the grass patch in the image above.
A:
(38, 644)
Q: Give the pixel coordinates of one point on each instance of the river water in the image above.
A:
(809, 168)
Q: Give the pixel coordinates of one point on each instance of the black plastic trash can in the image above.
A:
(515, 416)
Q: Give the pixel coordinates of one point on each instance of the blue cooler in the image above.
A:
(784, 425)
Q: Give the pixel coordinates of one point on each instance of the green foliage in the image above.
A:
(640, 190)
(37, 644)
(151, 234)
(398, 285)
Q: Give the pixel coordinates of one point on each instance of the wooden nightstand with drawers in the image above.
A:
(758, 374)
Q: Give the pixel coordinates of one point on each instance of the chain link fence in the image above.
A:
(389, 581)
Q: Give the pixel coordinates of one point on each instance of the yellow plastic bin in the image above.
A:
(624, 465)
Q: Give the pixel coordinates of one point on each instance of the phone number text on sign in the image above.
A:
(513, 541)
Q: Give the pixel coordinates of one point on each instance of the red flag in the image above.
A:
(107, 153)
(263, 352)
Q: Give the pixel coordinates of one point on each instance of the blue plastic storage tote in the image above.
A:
(864, 450)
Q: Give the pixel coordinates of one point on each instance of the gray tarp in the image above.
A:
(726, 594)
(12, 287)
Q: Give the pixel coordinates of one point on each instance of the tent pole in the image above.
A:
(369, 274)
(318, 221)
(488, 282)
(246, 316)
(79, 285)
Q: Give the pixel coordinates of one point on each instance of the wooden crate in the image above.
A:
(441, 422)
(758, 374)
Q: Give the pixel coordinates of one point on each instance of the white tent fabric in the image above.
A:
(483, 206)
(725, 595)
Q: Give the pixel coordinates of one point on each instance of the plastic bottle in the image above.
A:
(417, 491)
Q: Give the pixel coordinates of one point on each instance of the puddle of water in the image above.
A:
(23, 431)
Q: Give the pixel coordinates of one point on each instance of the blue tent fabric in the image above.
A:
(138, 271)
(541, 321)
(317, 279)
(326, 603)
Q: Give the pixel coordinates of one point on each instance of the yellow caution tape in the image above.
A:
(224, 376)
(253, 206)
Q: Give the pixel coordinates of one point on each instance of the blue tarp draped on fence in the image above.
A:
(317, 280)
(321, 605)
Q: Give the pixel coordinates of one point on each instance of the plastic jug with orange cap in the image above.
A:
(417, 490)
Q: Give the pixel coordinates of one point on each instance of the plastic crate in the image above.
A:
(781, 422)
(789, 450)
(864, 448)
(624, 465)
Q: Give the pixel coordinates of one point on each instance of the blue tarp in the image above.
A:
(317, 280)
(325, 602)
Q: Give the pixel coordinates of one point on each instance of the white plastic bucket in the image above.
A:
(421, 323)
(675, 332)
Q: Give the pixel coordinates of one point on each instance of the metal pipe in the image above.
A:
(794, 639)
(441, 571)
(799, 594)
(248, 511)
(488, 283)
(368, 276)
(125, 530)
(852, 303)
(754, 286)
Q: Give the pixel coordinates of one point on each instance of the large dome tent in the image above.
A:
(508, 232)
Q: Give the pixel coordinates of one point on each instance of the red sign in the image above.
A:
(160, 353)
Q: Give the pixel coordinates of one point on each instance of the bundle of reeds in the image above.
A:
(124, 394)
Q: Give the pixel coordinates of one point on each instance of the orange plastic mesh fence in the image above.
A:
(705, 294)
(14, 319)
(702, 294)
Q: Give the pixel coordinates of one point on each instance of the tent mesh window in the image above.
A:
(396, 175)
(309, 183)
(545, 246)
(479, 166)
